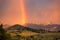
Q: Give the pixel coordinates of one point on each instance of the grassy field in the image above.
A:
(28, 35)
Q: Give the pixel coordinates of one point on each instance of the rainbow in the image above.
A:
(23, 11)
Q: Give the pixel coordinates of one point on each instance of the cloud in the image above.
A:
(44, 10)
(3, 6)
(41, 11)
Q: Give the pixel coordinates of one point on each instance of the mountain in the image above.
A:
(50, 27)
(15, 27)
(22, 28)
(35, 28)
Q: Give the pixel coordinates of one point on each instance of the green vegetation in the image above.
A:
(3, 34)
(28, 34)
(37, 36)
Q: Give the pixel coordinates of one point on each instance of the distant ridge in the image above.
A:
(49, 27)
(35, 27)
(20, 27)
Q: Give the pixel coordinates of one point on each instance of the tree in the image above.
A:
(3, 35)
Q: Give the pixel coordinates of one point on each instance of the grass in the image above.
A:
(28, 33)
(42, 36)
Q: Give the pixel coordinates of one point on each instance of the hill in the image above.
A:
(22, 28)
(25, 32)
(50, 27)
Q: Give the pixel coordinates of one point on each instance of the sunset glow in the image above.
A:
(23, 12)
(31, 11)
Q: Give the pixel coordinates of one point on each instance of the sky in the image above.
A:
(37, 11)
